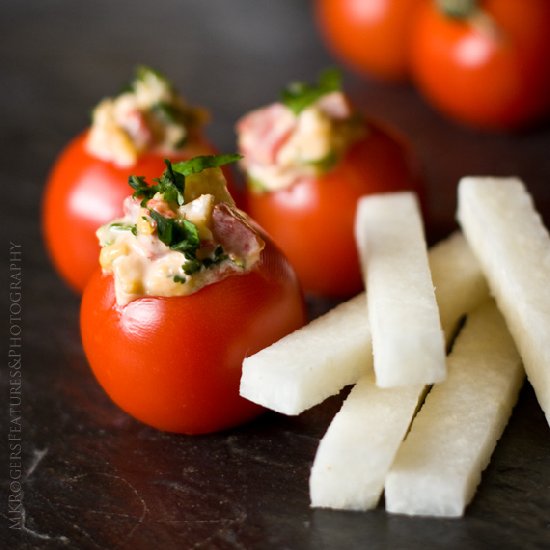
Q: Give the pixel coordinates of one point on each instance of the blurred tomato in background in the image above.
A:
(371, 36)
(485, 64)
(482, 63)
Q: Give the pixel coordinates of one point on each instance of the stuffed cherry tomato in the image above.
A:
(308, 159)
(371, 37)
(189, 286)
(131, 133)
(484, 63)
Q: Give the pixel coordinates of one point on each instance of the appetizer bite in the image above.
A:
(132, 132)
(308, 159)
(188, 287)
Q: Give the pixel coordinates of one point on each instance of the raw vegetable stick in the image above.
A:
(438, 467)
(513, 247)
(311, 364)
(358, 449)
(407, 339)
(460, 285)
(317, 361)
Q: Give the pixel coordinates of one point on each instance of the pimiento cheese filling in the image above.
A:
(301, 136)
(149, 116)
(175, 239)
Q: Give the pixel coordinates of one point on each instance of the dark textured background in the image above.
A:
(96, 479)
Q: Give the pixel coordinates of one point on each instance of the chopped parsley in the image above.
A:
(177, 234)
(142, 74)
(219, 256)
(172, 182)
(202, 162)
(298, 96)
(121, 226)
(171, 185)
(192, 265)
(167, 112)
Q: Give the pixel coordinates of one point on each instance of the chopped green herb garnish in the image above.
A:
(124, 227)
(176, 115)
(167, 112)
(141, 189)
(192, 265)
(143, 72)
(179, 279)
(202, 162)
(297, 96)
(171, 185)
(177, 234)
(172, 182)
(324, 164)
(219, 256)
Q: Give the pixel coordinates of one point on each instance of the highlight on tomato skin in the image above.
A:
(371, 37)
(308, 159)
(484, 64)
(189, 287)
(131, 133)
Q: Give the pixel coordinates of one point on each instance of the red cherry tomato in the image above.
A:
(175, 363)
(313, 221)
(372, 36)
(84, 192)
(488, 71)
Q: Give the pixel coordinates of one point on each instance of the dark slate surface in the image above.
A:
(93, 477)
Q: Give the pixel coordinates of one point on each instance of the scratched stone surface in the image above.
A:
(92, 477)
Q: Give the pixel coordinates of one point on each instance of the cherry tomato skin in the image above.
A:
(490, 79)
(84, 192)
(313, 221)
(372, 37)
(175, 363)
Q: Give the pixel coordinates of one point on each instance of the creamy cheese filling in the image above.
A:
(162, 248)
(280, 146)
(150, 116)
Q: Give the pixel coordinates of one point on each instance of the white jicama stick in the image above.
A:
(407, 339)
(317, 361)
(460, 285)
(439, 465)
(513, 247)
(312, 363)
(356, 452)
(359, 447)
